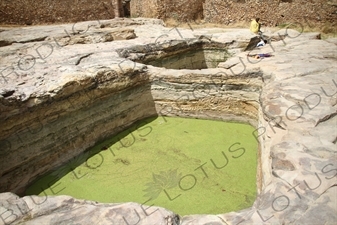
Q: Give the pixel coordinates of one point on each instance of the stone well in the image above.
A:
(189, 54)
(61, 93)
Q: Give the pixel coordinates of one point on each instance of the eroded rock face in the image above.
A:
(192, 54)
(296, 154)
(67, 210)
(209, 93)
(56, 104)
(60, 105)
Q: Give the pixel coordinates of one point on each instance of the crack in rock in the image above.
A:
(78, 61)
(325, 118)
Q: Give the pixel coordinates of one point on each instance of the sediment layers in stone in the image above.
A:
(84, 97)
(49, 130)
(209, 93)
(193, 53)
(61, 126)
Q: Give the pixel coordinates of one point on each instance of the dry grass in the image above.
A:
(327, 29)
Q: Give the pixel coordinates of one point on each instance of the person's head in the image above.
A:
(257, 19)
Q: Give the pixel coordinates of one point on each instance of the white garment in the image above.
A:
(261, 43)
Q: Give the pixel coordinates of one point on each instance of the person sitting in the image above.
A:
(255, 26)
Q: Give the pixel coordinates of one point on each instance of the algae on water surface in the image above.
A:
(189, 166)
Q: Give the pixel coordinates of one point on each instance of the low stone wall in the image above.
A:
(61, 11)
(163, 9)
(144, 8)
(271, 13)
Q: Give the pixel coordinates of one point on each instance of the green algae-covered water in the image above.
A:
(189, 166)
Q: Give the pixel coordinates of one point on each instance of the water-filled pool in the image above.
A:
(189, 166)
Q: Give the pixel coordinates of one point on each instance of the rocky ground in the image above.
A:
(294, 99)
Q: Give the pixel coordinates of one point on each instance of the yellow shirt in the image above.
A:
(254, 26)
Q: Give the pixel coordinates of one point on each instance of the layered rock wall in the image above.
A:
(208, 94)
(47, 131)
(271, 12)
(88, 94)
(192, 54)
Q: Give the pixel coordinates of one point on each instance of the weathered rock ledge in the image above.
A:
(55, 210)
(58, 98)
